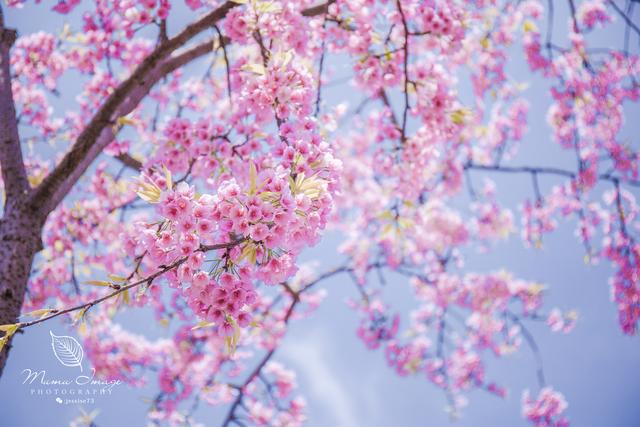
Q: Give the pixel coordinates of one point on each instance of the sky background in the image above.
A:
(596, 367)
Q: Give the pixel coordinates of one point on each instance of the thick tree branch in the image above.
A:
(125, 98)
(98, 132)
(320, 9)
(127, 160)
(14, 175)
(48, 196)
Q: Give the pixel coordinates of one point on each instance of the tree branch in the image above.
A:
(318, 10)
(629, 22)
(295, 295)
(127, 160)
(405, 48)
(125, 98)
(546, 171)
(122, 288)
(533, 346)
(99, 133)
(223, 44)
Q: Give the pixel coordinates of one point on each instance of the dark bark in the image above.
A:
(14, 175)
(20, 230)
(20, 240)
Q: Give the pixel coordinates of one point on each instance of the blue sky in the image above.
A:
(595, 366)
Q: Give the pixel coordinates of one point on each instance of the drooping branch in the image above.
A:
(620, 210)
(405, 48)
(295, 295)
(14, 175)
(533, 346)
(323, 51)
(574, 19)
(223, 45)
(627, 19)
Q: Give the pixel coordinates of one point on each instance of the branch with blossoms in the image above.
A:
(35, 204)
(119, 289)
(295, 295)
(98, 132)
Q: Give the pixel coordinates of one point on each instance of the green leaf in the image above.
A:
(168, 178)
(126, 297)
(39, 313)
(116, 278)
(231, 342)
(9, 330)
(253, 178)
(254, 68)
(203, 324)
(99, 283)
(79, 316)
(267, 7)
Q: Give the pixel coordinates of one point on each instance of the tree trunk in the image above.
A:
(20, 240)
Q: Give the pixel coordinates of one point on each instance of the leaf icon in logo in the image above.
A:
(67, 350)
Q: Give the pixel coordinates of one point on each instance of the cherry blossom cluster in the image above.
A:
(272, 215)
(35, 57)
(375, 327)
(546, 410)
(283, 88)
(592, 13)
(440, 19)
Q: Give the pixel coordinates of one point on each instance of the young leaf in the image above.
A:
(40, 313)
(80, 314)
(117, 279)
(99, 283)
(168, 178)
(9, 330)
(126, 297)
(253, 177)
(203, 324)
